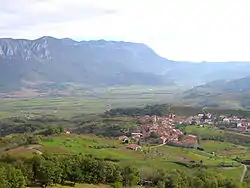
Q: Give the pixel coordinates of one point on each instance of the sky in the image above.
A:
(190, 30)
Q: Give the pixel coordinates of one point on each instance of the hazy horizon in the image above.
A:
(180, 30)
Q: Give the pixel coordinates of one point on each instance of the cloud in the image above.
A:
(179, 29)
(32, 13)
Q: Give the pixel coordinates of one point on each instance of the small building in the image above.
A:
(209, 116)
(193, 137)
(136, 135)
(164, 139)
(226, 120)
(154, 119)
(190, 142)
(242, 128)
(134, 147)
(123, 138)
(239, 124)
(66, 132)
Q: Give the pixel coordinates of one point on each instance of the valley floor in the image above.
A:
(93, 100)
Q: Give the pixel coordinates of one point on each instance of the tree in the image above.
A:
(76, 175)
(74, 171)
(47, 172)
(3, 179)
(11, 177)
(208, 178)
(111, 173)
(52, 131)
(177, 179)
(33, 140)
(130, 176)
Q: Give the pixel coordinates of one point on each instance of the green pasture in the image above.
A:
(168, 157)
(221, 147)
(81, 144)
(206, 131)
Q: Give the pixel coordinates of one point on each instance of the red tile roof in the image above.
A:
(133, 146)
(242, 128)
(123, 137)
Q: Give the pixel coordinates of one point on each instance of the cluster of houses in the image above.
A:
(243, 125)
(203, 118)
(239, 124)
(164, 127)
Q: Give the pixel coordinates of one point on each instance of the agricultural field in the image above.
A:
(168, 157)
(204, 131)
(74, 144)
(91, 100)
(223, 148)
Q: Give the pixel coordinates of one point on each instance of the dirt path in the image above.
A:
(33, 148)
(37, 151)
(152, 147)
(243, 173)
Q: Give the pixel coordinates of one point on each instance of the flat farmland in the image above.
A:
(96, 100)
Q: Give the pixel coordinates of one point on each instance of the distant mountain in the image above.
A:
(194, 74)
(223, 86)
(47, 60)
(222, 92)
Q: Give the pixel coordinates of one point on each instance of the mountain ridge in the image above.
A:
(66, 60)
(101, 62)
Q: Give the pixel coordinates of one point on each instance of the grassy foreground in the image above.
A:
(167, 157)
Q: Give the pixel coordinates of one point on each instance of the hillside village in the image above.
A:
(165, 128)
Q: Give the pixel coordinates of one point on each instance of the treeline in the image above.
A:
(11, 126)
(159, 110)
(107, 126)
(45, 170)
(107, 130)
(165, 109)
(93, 124)
(17, 125)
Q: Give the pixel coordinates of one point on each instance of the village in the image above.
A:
(164, 127)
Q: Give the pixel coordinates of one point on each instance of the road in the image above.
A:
(243, 173)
